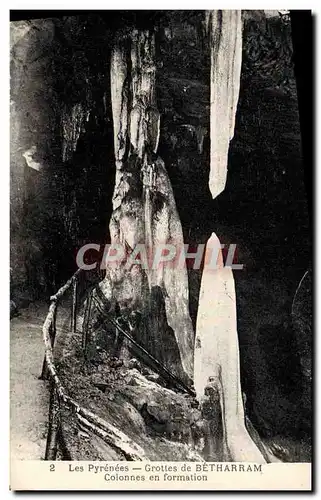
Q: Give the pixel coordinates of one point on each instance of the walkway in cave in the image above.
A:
(29, 396)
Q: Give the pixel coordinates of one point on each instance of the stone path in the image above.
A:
(29, 396)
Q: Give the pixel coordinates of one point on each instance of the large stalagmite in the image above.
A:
(144, 209)
(217, 354)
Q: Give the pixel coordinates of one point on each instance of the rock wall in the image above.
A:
(60, 139)
(33, 123)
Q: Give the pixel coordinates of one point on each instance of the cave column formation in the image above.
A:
(144, 209)
(216, 345)
(141, 178)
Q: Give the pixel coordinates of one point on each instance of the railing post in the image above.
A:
(52, 333)
(54, 423)
(85, 329)
(74, 305)
(53, 326)
(44, 370)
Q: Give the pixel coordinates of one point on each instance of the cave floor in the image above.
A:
(29, 396)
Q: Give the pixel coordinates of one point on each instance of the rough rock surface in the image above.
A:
(133, 398)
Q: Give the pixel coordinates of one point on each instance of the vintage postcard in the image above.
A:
(161, 269)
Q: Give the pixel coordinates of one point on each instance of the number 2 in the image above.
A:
(52, 468)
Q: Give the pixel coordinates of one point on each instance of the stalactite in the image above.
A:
(226, 60)
(73, 124)
(119, 101)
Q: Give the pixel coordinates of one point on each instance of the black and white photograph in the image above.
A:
(160, 242)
